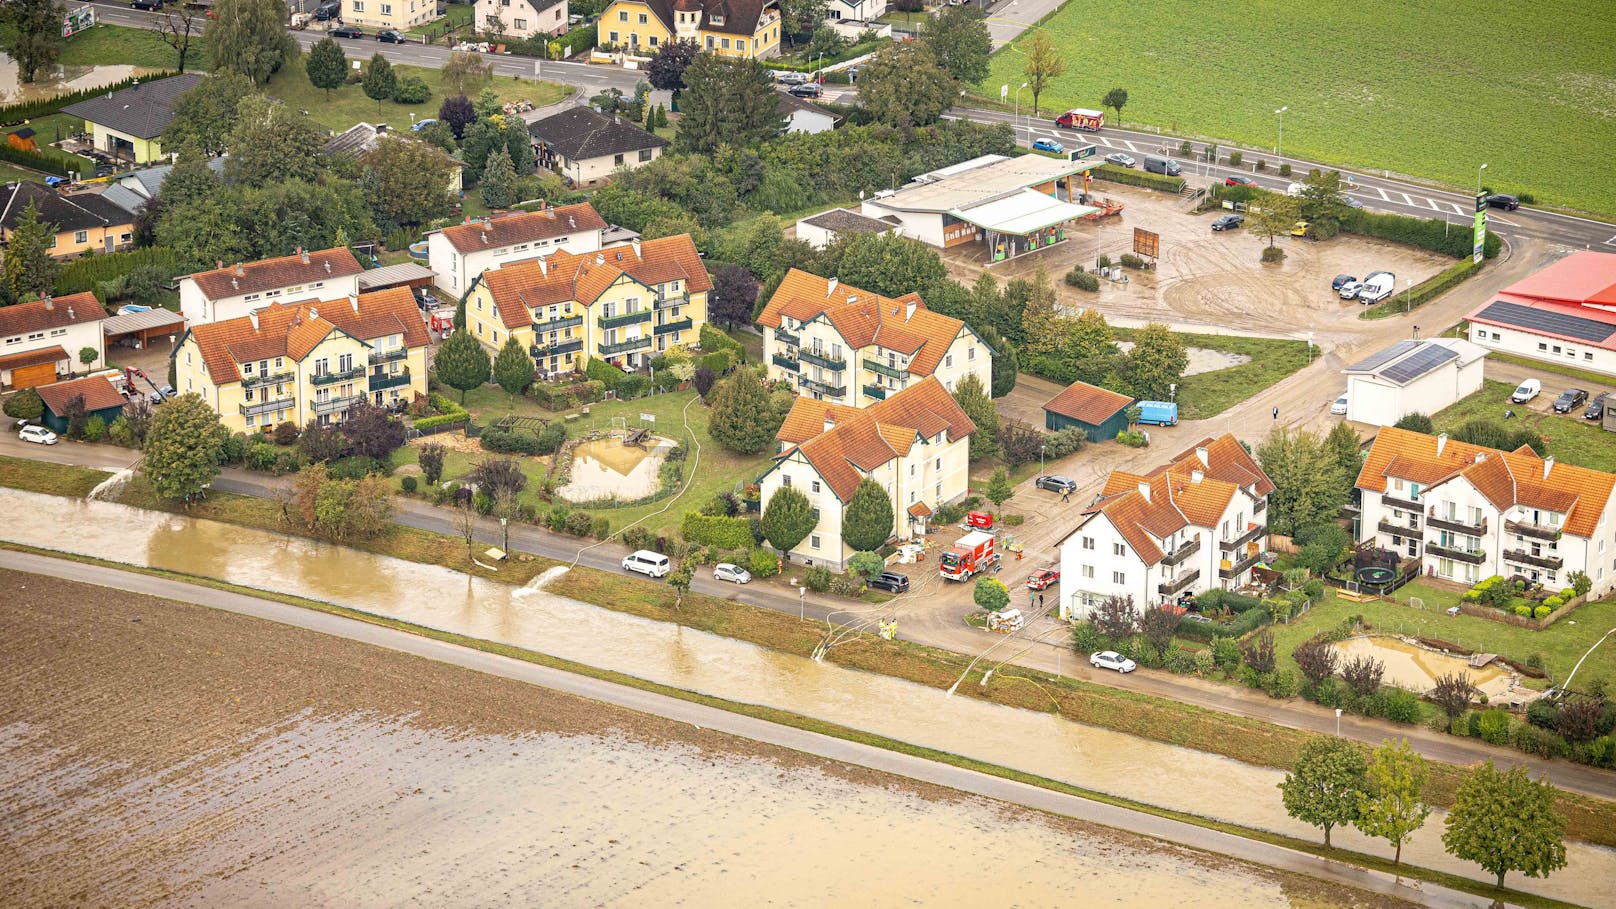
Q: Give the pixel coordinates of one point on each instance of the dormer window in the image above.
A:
(716, 20)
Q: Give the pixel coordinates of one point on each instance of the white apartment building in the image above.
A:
(458, 254)
(232, 292)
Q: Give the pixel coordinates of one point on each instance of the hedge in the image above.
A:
(13, 114)
(1133, 177)
(52, 161)
(447, 412)
(88, 273)
(1426, 233)
(580, 39)
(715, 530)
(1425, 291)
(603, 372)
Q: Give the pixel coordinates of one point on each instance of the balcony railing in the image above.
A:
(1391, 501)
(1448, 552)
(876, 392)
(327, 378)
(883, 369)
(836, 365)
(670, 327)
(785, 362)
(1528, 529)
(1261, 506)
(1178, 584)
(1183, 552)
(561, 323)
(261, 379)
(381, 380)
(1402, 530)
(1527, 558)
(633, 344)
(618, 321)
(331, 405)
(786, 337)
(671, 299)
(1236, 567)
(563, 346)
(835, 391)
(261, 407)
(388, 356)
(1457, 526)
(1252, 533)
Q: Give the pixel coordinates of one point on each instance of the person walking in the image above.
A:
(1276, 413)
(1066, 495)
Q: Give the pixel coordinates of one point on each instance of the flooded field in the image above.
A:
(57, 80)
(1417, 669)
(154, 753)
(607, 468)
(1043, 744)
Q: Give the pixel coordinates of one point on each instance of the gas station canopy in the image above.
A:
(1022, 214)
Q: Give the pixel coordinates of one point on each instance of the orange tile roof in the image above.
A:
(525, 227)
(863, 318)
(294, 329)
(268, 274)
(1087, 403)
(34, 357)
(50, 312)
(807, 419)
(1226, 460)
(563, 276)
(920, 510)
(99, 394)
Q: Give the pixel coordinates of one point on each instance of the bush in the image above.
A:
(356, 467)
(1541, 742)
(517, 440)
(600, 527)
(1082, 280)
(1284, 170)
(1129, 260)
(409, 484)
(1523, 610)
(1492, 726)
(765, 564)
(95, 428)
(716, 530)
(1088, 639)
(119, 433)
(1396, 704)
(1280, 685)
(25, 405)
(579, 523)
(1272, 254)
(1132, 438)
(1236, 159)
(1542, 612)
(817, 578)
(412, 90)
(1132, 177)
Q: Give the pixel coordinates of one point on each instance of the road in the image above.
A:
(700, 715)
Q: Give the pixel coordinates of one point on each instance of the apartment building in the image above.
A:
(915, 443)
(1197, 524)
(1469, 512)
(837, 343)
(399, 15)
(306, 362)
(458, 254)
(623, 305)
(230, 292)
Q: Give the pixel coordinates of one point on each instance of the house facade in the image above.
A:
(306, 362)
(42, 339)
(128, 123)
(458, 254)
(855, 10)
(520, 18)
(587, 147)
(729, 28)
(1469, 513)
(623, 305)
(1197, 524)
(400, 15)
(837, 343)
(1413, 377)
(80, 223)
(230, 292)
(1564, 313)
(916, 444)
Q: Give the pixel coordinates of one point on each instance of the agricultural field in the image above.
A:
(1431, 90)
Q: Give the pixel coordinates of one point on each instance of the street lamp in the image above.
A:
(802, 602)
(1478, 178)
(1310, 347)
(1338, 721)
(1018, 110)
(1279, 150)
(1040, 457)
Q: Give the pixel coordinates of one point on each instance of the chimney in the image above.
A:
(313, 314)
(909, 311)
(218, 263)
(549, 212)
(544, 267)
(70, 312)
(600, 259)
(830, 422)
(328, 266)
(49, 303)
(1144, 489)
(830, 287)
(1197, 475)
(636, 244)
(241, 270)
(234, 284)
(1548, 465)
(1481, 456)
(253, 317)
(1441, 442)
(305, 254)
(353, 300)
(1202, 455)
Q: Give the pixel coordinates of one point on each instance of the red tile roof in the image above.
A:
(47, 313)
(524, 227)
(583, 277)
(863, 318)
(98, 391)
(269, 274)
(1086, 403)
(294, 329)
(34, 357)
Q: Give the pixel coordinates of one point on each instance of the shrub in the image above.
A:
(1142, 178)
(95, 428)
(1554, 603)
(1542, 612)
(1541, 742)
(409, 484)
(1261, 165)
(354, 468)
(1129, 260)
(867, 564)
(600, 527)
(261, 456)
(1396, 704)
(25, 405)
(1105, 261)
(119, 433)
(1431, 234)
(1225, 653)
(1284, 170)
(579, 523)
(1493, 726)
(1088, 639)
(637, 537)
(1272, 254)
(1280, 685)
(1082, 280)
(1523, 610)
(286, 433)
(817, 578)
(1236, 159)
(1132, 438)
(716, 530)
(844, 586)
(765, 564)
(412, 90)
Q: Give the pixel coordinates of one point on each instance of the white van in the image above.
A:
(647, 563)
(1295, 189)
(1528, 390)
(1377, 287)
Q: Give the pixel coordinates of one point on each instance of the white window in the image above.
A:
(948, 360)
(1118, 549)
(814, 486)
(521, 25)
(82, 236)
(785, 480)
(970, 353)
(359, 6)
(57, 333)
(1088, 542)
(1119, 578)
(1088, 571)
(249, 421)
(387, 9)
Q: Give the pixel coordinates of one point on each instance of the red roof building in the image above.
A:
(1565, 313)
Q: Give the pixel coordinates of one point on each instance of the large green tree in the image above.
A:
(498, 185)
(1006, 364)
(513, 368)
(904, 85)
(1089, 343)
(1506, 821)
(1322, 202)
(788, 518)
(1326, 785)
(990, 594)
(1116, 99)
(33, 34)
(1346, 450)
(461, 363)
(973, 399)
(800, 17)
(272, 142)
(727, 101)
(249, 37)
(182, 447)
(1308, 488)
(666, 71)
(379, 82)
(205, 115)
(958, 37)
(1156, 362)
(889, 265)
(1390, 807)
(1043, 66)
(867, 524)
(28, 269)
(743, 418)
(240, 223)
(326, 65)
(405, 182)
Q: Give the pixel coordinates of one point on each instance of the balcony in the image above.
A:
(263, 407)
(1457, 526)
(388, 356)
(332, 405)
(1553, 562)
(1449, 552)
(1179, 584)
(1527, 529)
(833, 391)
(561, 323)
(328, 378)
(1237, 567)
(1261, 506)
(822, 360)
(786, 337)
(670, 327)
(1401, 530)
(632, 318)
(263, 379)
(785, 362)
(882, 369)
(1391, 501)
(379, 380)
(876, 392)
(1252, 532)
(671, 299)
(633, 344)
(1183, 552)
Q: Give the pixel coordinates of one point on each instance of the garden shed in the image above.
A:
(1099, 412)
(101, 399)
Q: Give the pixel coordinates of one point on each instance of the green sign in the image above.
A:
(1481, 236)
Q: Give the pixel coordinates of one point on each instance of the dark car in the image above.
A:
(1569, 400)
(347, 31)
(1503, 200)
(808, 90)
(1056, 483)
(327, 12)
(1341, 281)
(152, 5)
(890, 581)
(389, 36)
(1228, 222)
(1237, 180)
(1596, 408)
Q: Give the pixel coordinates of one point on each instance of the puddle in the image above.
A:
(1417, 669)
(57, 80)
(607, 468)
(1201, 359)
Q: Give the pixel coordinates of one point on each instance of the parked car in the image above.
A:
(1342, 280)
(149, 5)
(1351, 202)
(1110, 659)
(1596, 408)
(1526, 391)
(388, 36)
(1350, 290)
(38, 434)
(327, 12)
(54, 182)
(1167, 167)
(347, 31)
(1339, 405)
(419, 125)
(650, 564)
(1228, 222)
(1120, 159)
(1238, 180)
(1048, 145)
(167, 391)
(1056, 483)
(789, 77)
(724, 571)
(808, 90)
(1570, 400)
(890, 581)
(1041, 580)
(1300, 229)
(1503, 200)
(1377, 286)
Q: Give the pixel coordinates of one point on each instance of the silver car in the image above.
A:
(1120, 159)
(724, 571)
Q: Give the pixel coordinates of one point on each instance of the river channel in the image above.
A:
(1043, 744)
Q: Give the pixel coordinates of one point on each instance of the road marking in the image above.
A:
(1492, 217)
(1611, 242)
(1131, 146)
(1406, 199)
(1383, 196)
(1432, 203)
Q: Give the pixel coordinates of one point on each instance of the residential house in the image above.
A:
(306, 362)
(1197, 524)
(1099, 412)
(837, 343)
(1469, 513)
(147, 182)
(230, 292)
(825, 228)
(520, 18)
(1563, 313)
(730, 28)
(916, 444)
(399, 15)
(460, 253)
(1413, 377)
(803, 116)
(587, 147)
(41, 339)
(360, 140)
(128, 123)
(101, 399)
(81, 222)
(854, 10)
(621, 305)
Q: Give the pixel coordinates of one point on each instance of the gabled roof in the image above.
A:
(524, 227)
(270, 274)
(582, 277)
(1224, 459)
(735, 17)
(1087, 403)
(789, 104)
(579, 133)
(1581, 278)
(124, 197)
(99, 394)
(50, 312)
(148, 181)
(142, 110)
(863, 318)
(52, 354)
(361, 139)
(81, 211)
(294, 329)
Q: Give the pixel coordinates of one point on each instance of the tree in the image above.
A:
(406, 183)
(327, 65)
(379, 82)
(1326, 544)
(1115, 618)
(498, 186)
(1415, 422)
(462, 364)
(466, 71)
(734, 294)
(904, 85)
(1346, 450)
(180, 25)
(1159, 623)
(1274, 218)
(1088, 341)
(1390, 807)
(1363, 674)
(28, 269)
(666, 71)
(430, 459)
(513, 368)
(519, 145)
(499, 476)
(999, 488)
(1006, 365)
(321, 442)
(1506, 822)
(825, 42)
(182, 447)
(1156, 362)
(742, 418)
(1044, 65)
(1018, 442)
(1316, 658)
(458, 113)
(1327, 785)
(1039, 315)
(249, 37)
(727, 101)
(1452, 694)
(866, 564)
(704, 377)
(88, 356)
(889, 265)
(867, 524)
(799, 17)
(273, 142)
(204, 117)
(679, 580)
(77, 415)
(1322, 202)
(1308, 490)
(371, 431)
(34, 36)
(1258, 652)
(979, 407)
(990, 594)
(958, 38)
(788, 518)
(25, 405)
(1117, 99)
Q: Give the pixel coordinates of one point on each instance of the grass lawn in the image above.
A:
(1581, 375)
(10, 173)
(348, 104)
(1211, 393)
(1447, 95)
(51, 479)
(106, 44)
(1570, 438)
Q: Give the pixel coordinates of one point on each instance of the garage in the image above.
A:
(31, 368)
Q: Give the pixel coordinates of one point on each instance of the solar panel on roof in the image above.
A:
(1556, 323)
(1378, 360)
(1418, 363)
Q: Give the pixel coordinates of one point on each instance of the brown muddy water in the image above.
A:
(607, 468)
(1417, 669)
(1043, 744)
(56, 80)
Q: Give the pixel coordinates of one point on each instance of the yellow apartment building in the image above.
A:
(730, 28)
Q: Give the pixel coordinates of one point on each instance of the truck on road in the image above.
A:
(971, 554)
(1080, 118)
(1158, 413)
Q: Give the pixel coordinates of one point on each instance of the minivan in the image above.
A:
(1528, 390)
(650, 564)
(1158, 165)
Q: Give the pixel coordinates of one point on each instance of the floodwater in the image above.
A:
(663, 652)
(1417, 669)
(608, 468)
(57, 80)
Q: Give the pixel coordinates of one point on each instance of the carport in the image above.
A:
(404, 274)
(143, 326)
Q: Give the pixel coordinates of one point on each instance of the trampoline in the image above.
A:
(1376, 576)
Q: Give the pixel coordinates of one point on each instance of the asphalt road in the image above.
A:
(700, 715)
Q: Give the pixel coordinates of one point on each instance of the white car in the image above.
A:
(1339, 406)
(37, 434)
(1351, 289)
(650, 564)
(724, 571)
(1110, 659)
